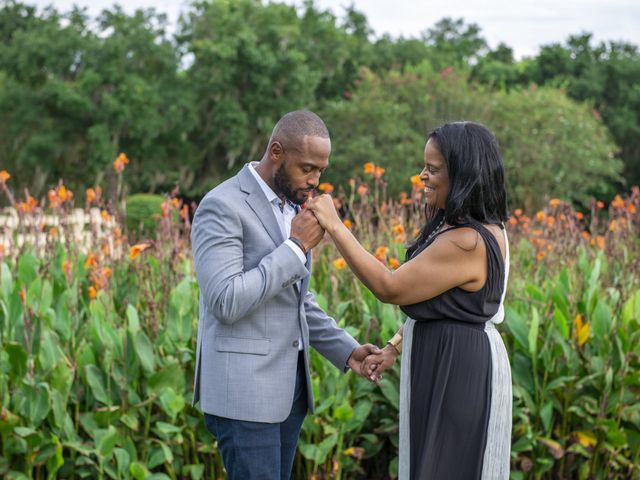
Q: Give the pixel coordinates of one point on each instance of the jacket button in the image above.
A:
(295, 343)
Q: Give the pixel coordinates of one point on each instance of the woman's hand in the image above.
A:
(375, 364)
(325, 212)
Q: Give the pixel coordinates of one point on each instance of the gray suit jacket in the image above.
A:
(251, 312)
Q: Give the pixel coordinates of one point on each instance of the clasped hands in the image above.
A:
(370, 361)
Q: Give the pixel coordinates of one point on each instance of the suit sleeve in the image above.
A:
(325, 336)
(228, 291)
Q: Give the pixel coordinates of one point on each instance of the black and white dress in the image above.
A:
(455, 389)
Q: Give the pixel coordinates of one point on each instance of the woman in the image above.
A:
(455, 411)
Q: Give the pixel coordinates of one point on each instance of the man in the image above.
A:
(251, 249)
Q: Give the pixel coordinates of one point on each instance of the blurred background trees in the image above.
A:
(191, 107)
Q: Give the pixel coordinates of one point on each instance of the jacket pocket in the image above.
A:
(255, 346)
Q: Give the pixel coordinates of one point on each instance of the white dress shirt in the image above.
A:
(284, 218)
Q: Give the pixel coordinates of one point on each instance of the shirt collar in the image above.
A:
(268, 192)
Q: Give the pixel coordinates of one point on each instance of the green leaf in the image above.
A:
(133, 319)
(138, 471)
(34, 402)
(390, 391)
(106, 441)
(601, 320)
(631, 309)
(144, 349)
(533, 333)
(546, 413)
(27, 268)
(95, 378)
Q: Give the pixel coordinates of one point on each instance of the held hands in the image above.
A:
(373, 366)
(359, 354)
(324, 210)
(305, 227)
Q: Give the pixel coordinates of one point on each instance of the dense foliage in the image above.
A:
(98, 342)
(190, 107)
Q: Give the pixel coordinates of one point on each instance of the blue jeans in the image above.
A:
(261, 451)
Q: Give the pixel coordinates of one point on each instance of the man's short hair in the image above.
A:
(294, 126)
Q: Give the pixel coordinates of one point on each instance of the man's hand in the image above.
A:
(305, 227)
(373, 365)
(358, 355)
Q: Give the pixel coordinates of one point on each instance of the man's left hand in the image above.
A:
(358, 355)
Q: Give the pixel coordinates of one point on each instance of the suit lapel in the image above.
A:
(259, 204)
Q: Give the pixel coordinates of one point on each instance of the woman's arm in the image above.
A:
(451, 260)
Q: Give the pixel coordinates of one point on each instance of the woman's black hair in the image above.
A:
(477, 192)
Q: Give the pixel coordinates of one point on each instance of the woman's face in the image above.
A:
(434, 175)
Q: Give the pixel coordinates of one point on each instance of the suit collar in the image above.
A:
(259, 203)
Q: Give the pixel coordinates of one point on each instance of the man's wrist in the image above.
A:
(298, 243)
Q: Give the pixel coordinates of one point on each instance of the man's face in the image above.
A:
(299, 173)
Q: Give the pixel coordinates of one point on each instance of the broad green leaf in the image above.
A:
(144, 349)
(533, 333)
(95, 378)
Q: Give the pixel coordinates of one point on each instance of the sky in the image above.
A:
(524, 25)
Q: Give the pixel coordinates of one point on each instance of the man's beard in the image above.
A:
(283, 185)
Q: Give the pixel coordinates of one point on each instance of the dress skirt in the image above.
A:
(455, 402)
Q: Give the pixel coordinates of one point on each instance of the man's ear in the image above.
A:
(276, 151)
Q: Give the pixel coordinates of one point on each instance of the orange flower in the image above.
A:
(326, 187)
(4, 176)
(339, 263)
(613, 225)
(53, 232)
(184, 212)
(415, 181)
(540, 216)
(394, 263)
(91, 195)
(105, 249)
(352, 182)
(631, 208)
(586, 235)
(90, 262)
(513, 221)
(106, 271)
(54, 200)
(617, 202)
(517, 212)
(399, 229)
(381, 253)
(579, 215)
(550, 220)
(93, 293)
(137, 249)
(400, 238)
(105, 215)
(554, 202)
(164, 206)
(67, 269)
(378, 172)
(1, 250)
(540, 256)
(23, 295)
(28, 206)
(176, 202)
(120, 162)
(599, 204)
(369, 167)
(537, 232)
(63, 194)
(600, 242)
(348, 224)
(362, 190)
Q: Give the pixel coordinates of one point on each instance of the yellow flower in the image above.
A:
(175, 202)
(91, 195)
(394, 263)
(91, 261)
(369, 167)
(613, 225)
(137, 249)
(348, 224)
(415, 181)
(92, 292)
(105, 215)
(554, 202)
(4, 176)
(586, 439)
(339, 263)
(540, 216)
(326, 187)
(581, 330)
